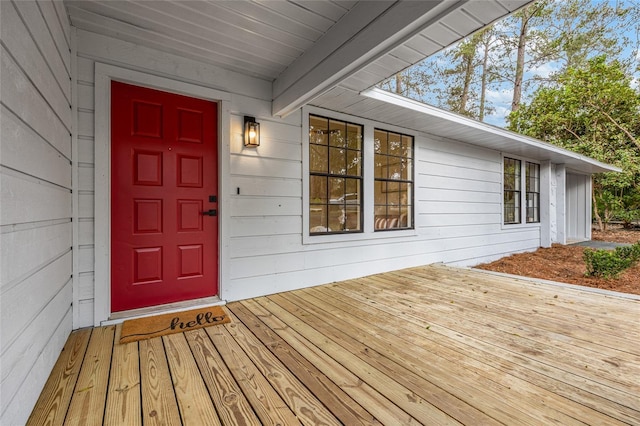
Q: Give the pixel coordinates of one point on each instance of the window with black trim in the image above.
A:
(514, 197)
(335, 176)
(512, 185)
(393, 180)
(532, 176)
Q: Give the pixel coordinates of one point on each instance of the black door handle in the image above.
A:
(211, 212)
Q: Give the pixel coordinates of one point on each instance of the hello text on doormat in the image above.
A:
(177, 322)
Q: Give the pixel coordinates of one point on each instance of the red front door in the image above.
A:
(164, 231)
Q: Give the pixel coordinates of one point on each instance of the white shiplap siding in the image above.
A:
(459, 197)
(36, 182)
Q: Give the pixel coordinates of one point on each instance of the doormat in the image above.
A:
(177, 322)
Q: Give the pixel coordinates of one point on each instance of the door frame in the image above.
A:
(104, 74)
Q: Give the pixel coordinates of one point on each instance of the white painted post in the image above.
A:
(545, 204)
(561, 193)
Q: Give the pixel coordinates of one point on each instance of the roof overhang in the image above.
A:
(302, 48)
(385, 107)
(378, 39)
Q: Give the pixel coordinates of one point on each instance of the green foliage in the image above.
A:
(593, 110)
(609, 263)
(608, 206)
(629, 218)
(629, 214)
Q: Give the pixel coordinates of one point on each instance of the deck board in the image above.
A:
(345, 408)
(231, 404)
(123, 395)
(266, 402)
(159, 404)
(522, 333)
(476, 354)
(307, 407)
(196, 407)
(428, 345)
(89, 397)
(368, 397)
(53, 403)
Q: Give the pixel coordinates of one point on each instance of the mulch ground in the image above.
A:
(565, 264)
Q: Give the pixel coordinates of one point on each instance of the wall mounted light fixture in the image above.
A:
(251, 132)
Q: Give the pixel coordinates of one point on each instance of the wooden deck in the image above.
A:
(431, 345)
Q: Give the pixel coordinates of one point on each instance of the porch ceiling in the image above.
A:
(304, 48)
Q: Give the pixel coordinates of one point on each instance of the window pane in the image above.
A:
(353, 217)
(512, 193)
(318, 190)
(353, 163)
(335, 149)
(407, 216)
(533, 211)
(337, 133)
(393, 176)
(337, 163)
(404, 194)
(380, 189)
(393, 194)
(318, 218)
(512, 174)
(353, 190)
(336, 189)
(511, 207)
(336, 218)
(354, 137)
(351, 204)
(533, 192)
(380, 166)
(380, 142)
(395, 144)
(318, 130)
(395, 169)
(407, 147)
(407, 171)
(318, 158)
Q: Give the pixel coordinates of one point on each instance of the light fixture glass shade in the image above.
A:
(251, 132)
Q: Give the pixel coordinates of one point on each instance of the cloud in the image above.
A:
(504, 96)
(544, 70)
(498, 116)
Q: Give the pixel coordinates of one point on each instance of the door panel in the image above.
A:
(577, 206)
(163, 172)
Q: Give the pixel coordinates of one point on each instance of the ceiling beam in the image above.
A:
(368, 31)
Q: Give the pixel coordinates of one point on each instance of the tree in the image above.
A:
(412, 82)
(584, 29)
(522, 52)
(526, 19)
(593, 110)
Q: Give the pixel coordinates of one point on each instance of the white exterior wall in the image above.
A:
(458, 218)
(263, 249)
(461, 214)
(36, 200)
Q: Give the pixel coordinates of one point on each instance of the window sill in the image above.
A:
(371, 235)
(520, 225)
